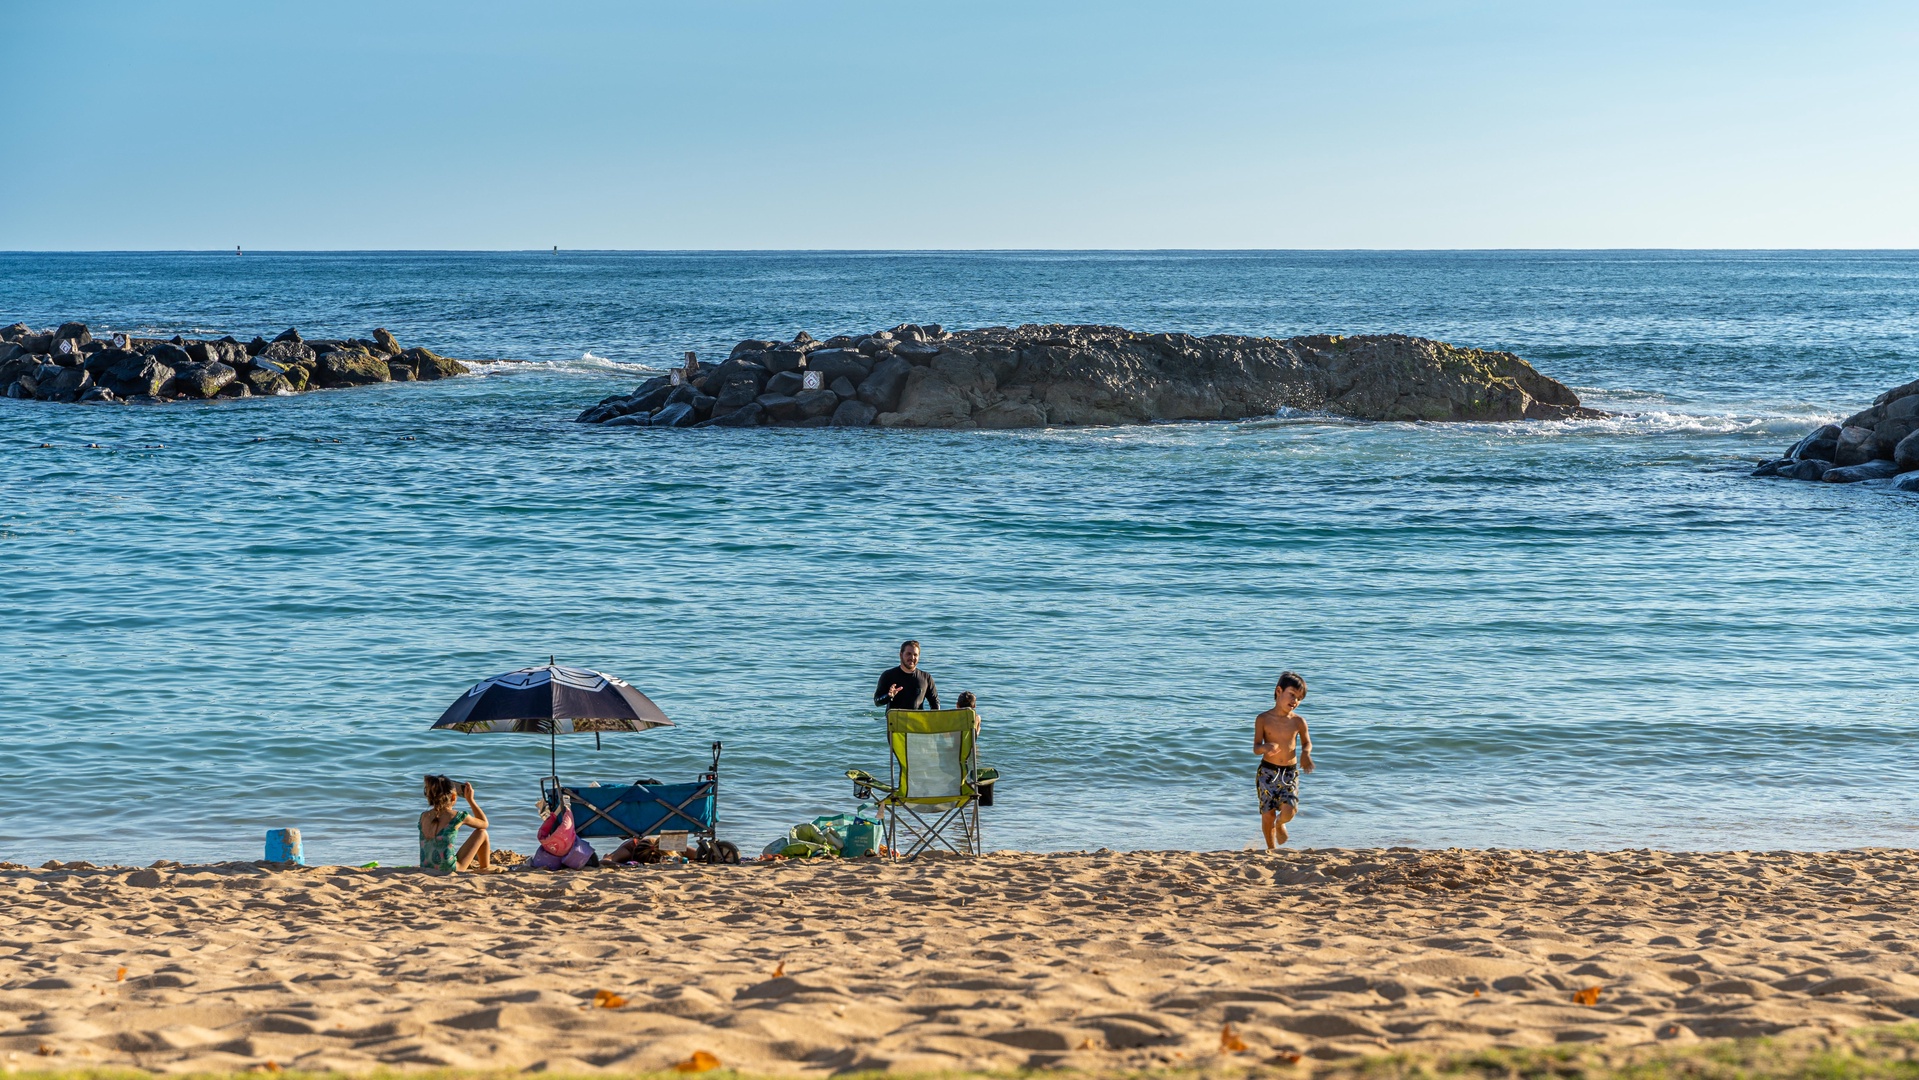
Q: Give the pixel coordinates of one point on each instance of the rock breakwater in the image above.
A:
(1879, 442)
(1037, 376)
(68, 364)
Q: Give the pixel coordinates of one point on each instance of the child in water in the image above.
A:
(1274, 734)
(968, 701)
(440, 826)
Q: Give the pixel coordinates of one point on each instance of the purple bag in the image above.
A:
(582, 853)
(572, 860)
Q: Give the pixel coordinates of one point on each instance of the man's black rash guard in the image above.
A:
(915, 686)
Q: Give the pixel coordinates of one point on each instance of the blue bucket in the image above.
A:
(283, 845)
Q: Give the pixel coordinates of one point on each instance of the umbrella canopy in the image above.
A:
(553, 700)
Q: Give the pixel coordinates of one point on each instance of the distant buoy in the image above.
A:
(236, 249)
(556, 249)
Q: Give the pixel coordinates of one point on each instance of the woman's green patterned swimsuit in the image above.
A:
(436, 851)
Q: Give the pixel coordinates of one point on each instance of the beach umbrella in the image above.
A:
(552, 700)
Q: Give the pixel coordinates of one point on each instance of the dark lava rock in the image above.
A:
(1857, 445)
(350, 367)
(203, 380)
(737, 396)
(432, 365)
(1770, 468)
(1823, 443)
(1879, 469)
(784, 358)
(678, 414)
(853, 413)
(649, 400)
(268, 382)
(840, 364)
(1907, 481)
(1806, 469)
(786, 382)
(169, 354)
(65, 384)
(747, 415)
(401, 372)
(1906, 454)
(844, 388)
(138, 376)
(882, 389)
(1067, 375)
(634, 419)
(782, 408)
(816, 404)
(385, 342)
(289, 335)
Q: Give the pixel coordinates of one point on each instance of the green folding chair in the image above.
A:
(931, 799)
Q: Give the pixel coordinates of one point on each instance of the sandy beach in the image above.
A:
(1089, 960)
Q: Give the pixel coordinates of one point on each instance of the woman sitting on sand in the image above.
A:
(441, 824)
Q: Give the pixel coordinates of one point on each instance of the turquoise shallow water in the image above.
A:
(244, 615)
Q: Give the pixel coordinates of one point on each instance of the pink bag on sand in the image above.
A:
(556, 834)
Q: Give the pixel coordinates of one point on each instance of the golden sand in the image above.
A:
(1088, 961)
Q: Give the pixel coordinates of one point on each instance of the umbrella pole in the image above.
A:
(553, 752)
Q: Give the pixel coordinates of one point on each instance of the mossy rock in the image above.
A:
(351, 367)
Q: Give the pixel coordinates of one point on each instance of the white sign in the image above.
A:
(677, 376)
(66, 346)
(812, 380)
(119, 341)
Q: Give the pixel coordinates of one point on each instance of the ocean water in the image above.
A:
(224, 618)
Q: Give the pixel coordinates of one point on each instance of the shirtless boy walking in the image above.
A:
(1279, 769)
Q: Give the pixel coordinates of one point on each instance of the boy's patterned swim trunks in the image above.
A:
(1278, 786)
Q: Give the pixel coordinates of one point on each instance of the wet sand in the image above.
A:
(1090, 960)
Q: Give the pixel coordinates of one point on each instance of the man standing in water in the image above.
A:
(906, 686)
(1278, 779)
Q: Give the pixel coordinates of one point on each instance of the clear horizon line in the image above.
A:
(960, 251)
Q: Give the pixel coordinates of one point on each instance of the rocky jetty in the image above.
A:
(68, 364)
(1880, 442)
(1037, 376)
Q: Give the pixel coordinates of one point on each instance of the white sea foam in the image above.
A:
(587, 364)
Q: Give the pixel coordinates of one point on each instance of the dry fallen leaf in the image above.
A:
(121, 975)
(1086, 1043)
(1230, 1042)
(607, 999)
(779, 970)
(701, 1061)
(46, 1051)
(1287, 1057)
(1475, 993)
(1588, 996)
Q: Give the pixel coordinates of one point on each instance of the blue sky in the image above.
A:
(202, 125)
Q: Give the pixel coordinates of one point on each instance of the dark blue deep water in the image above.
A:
(220, 618)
